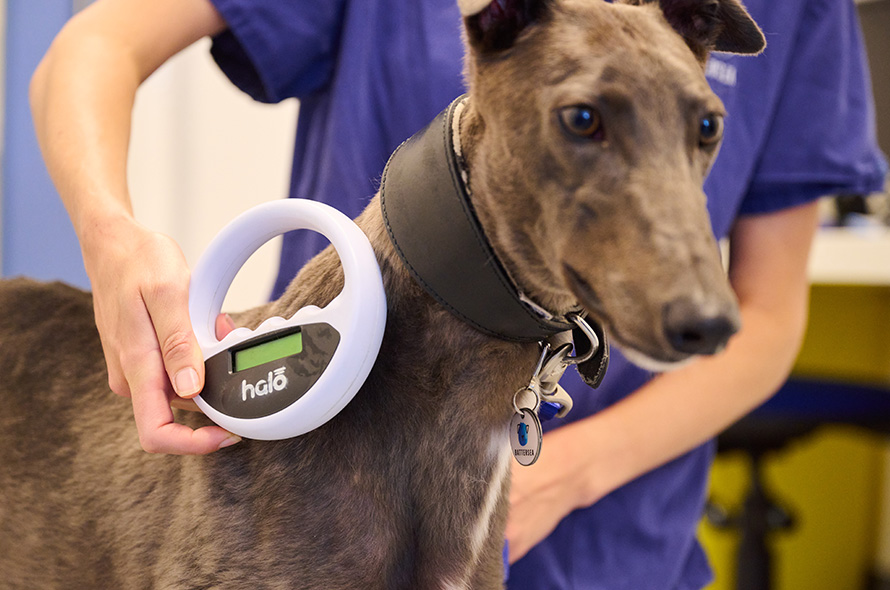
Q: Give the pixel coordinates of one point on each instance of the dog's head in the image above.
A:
(590, 130)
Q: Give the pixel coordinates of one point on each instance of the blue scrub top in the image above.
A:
(370, 73)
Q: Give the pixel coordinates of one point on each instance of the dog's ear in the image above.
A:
(714, 25)
(494, 25)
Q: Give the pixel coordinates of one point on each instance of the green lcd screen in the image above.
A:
(267, 352)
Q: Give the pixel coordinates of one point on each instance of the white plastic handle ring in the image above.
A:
(358, 313)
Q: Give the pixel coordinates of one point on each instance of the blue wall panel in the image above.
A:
(37, 237)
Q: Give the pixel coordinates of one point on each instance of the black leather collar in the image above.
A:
(434, 228)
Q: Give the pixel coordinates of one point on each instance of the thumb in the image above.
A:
(183, 361)
(182, 356)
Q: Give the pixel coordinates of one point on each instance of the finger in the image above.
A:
(224, 325)
(188, 405)
(159, 433)
(117, 381)
(152, 393)
(178, 439)
(183, 361)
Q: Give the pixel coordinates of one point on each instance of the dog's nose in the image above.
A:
(698, 328)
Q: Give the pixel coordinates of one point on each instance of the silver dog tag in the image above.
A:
(525, 437)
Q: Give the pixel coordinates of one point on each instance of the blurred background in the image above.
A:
(201, 153)
(800, 492)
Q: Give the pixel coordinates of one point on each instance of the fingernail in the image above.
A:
(229, 441)
(186, 382)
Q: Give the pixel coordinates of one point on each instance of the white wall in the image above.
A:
(201, 153)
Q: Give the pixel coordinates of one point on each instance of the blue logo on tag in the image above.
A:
(522, 430)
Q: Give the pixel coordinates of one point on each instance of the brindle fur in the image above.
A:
(392, 492)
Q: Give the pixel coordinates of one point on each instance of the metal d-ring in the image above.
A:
(534, 391)
(591, 336)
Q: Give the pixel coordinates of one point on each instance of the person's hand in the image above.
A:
(140, 295)
(679, 410)
(542, 494)
(223, 326)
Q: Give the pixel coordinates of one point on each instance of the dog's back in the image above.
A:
(52, 370)
(78, 486)
(328, 508)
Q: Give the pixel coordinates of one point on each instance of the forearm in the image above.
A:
(679, 410)
(669, 416)
(82, 94)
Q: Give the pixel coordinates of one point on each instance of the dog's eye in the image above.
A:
(582, 121)
(711, 129)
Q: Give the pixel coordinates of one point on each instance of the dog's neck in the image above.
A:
(436, 232)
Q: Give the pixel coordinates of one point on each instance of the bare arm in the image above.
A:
(678, 411)
(82, 96)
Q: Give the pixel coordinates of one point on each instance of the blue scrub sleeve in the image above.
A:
(275, 50)
(822, 139)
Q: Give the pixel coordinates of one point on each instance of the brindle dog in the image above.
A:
(587, 135)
